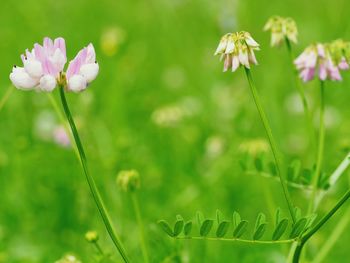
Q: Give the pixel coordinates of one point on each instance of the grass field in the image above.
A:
(162, 106)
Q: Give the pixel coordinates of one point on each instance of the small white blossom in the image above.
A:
(237, 49)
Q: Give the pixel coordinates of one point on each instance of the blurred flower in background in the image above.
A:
(214, 146)
(254, 146)
(281, 28)
(61, 137)
(111, 39)
(173, 114)
(174, 77)
(68, 259)
(47, 128)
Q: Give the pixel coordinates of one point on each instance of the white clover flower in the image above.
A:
(43, 67)
(237, 49)
(281, 28)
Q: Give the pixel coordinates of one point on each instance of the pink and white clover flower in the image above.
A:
(43, 67)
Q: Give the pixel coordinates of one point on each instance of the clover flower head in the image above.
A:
(128, 180)
(281, 28)
(317, 60)
(43, 67)
(340, 52)
(237, 49)
(68, 259)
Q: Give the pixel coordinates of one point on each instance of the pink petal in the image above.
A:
(48, 44)
(61, 44)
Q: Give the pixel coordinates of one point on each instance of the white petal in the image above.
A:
(89, 71)
(33, 67)
(22, 80)
(58, 59)
(235, 63)
(230, 46)
(243, 58)
(77, 83)
(251, 42)
(222, 46)
(47, 83)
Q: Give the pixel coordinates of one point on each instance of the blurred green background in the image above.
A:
(160, 105)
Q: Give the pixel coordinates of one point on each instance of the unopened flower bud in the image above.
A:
(91, 236)
(128, 180)
(237, 49)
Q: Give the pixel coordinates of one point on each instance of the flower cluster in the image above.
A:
(237, 49)
(340, 53)
(43, 67)
(317, 60)
(281, 28)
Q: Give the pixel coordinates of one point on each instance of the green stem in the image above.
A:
(332, 239)
(64, 123)
(301, 94)
(262, 242)
(99, 249)
(6, 96)
(93, 188)
(321, 136)
(313, 230)
(271, 140)
(142, 229)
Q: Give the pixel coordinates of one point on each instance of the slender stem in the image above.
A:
(98, 248)
(6, 96)
(313, 230)
(321, 136)
(301, 94)
(93, 188)
(340, 170)
(271, 140)
(332, 239)
(63, 120)
(140, 223)
(240, 240)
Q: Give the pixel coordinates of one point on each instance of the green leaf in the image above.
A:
(166, 228)
(298, 228)
(188, 228)
(261, 219)
(310, 220)
(179, 224)
(206, 227)
(306, 176)
(297, 213)
(200, 218)
(236, 219)
(280, 229)
(219, 216)
(243, 164)
(260, 231)
(294, 170)
(258, 164)
(273, 169)
(240, 229)
(277, 216)
(222, 228)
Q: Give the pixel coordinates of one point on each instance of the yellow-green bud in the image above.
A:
(91, 236)
(128, 180)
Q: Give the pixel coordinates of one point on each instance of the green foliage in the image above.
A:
(297, 176)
